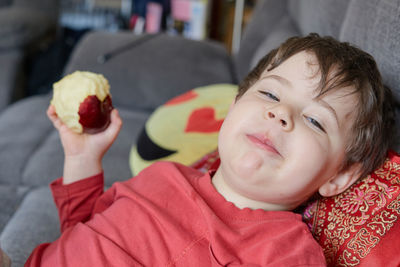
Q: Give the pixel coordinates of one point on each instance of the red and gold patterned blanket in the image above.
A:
(361, 226)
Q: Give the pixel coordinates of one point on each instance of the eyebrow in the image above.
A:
(278, 78)
(329, 108)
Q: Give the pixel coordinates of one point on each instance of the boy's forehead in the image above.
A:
(302, 65)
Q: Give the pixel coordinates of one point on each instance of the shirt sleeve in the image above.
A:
(75, 202)
(81, 246)
(123, 226)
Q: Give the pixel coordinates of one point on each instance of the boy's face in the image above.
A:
(280, 143)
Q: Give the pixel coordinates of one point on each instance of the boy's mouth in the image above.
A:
(262, 142)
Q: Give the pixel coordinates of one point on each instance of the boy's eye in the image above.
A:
(316, 123)
(269, 95)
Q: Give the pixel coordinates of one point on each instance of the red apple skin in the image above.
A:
(94, 115)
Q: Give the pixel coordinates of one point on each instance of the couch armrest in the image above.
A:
(22, 26)
(4, 3)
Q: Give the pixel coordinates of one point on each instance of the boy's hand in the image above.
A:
(84, 152)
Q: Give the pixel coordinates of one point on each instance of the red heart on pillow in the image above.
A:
(202, 120)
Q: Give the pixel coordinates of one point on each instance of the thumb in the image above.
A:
(114, 128)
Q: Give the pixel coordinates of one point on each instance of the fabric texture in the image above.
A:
(361, 226)
(10, 197)
(183, 129)
(325, 17)
(373, 26)
(183, 221)
(281, 30)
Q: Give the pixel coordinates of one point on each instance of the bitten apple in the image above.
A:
(82, 101)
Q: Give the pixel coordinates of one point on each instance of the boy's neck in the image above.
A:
(237, 199)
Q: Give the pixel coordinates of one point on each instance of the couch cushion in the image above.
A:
(22, 26)
(145, 71)
(35, 222)
(303, 17)
(260, 26)
(10, 198)
(281, 31)
(323, 17)
(24, 127)
(11, 77)
(374, 27)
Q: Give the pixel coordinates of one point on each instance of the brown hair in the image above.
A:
(343, 65)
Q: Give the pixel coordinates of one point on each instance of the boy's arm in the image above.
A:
(79, 202)
(75, 202)
(81, 246)
(82, 182)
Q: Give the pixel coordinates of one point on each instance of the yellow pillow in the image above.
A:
(185, 128)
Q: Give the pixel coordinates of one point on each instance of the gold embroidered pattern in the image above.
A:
(350, 225)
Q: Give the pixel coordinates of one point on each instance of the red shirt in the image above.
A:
(170, 215)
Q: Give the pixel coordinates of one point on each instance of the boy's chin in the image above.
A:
(248, 164)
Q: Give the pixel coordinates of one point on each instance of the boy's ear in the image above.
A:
(341, 181)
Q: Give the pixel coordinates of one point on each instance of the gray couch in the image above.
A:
(149, 73)
(26, 27)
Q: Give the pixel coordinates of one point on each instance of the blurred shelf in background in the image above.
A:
(223, 20)
(195, 19)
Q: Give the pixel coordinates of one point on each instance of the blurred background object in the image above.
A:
(27, 27)
(37, 36)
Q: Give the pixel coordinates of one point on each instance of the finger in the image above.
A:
(52, 115)
(115, 117)
(115, 125)
(51, 111)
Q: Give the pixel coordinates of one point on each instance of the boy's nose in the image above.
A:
(280, 116)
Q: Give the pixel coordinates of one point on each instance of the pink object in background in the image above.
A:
(181, 10)
(153, 17)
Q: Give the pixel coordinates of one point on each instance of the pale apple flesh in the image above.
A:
(82, 101)
(94, 115)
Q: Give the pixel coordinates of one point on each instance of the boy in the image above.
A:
(311, 117)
